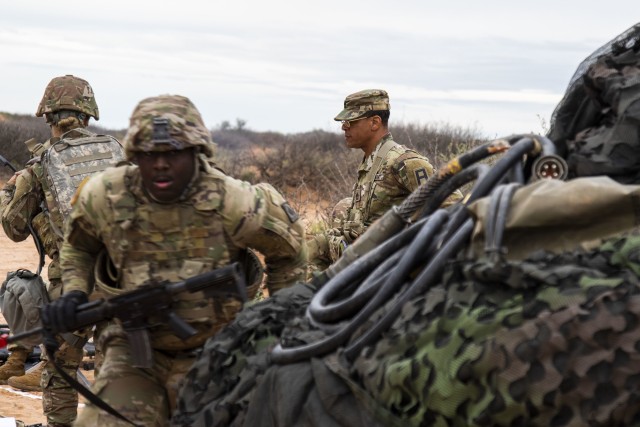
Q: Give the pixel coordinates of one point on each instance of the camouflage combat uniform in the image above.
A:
(214, 221)
(30, 201)
(385, 178)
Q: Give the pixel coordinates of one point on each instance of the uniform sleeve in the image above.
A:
(82, 241)
(19, 204)
(259, 217)
(415, 171)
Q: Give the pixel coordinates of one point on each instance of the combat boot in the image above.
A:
(29, 381)
(14, 366)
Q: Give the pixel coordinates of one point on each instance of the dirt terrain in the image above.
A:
(24, 406)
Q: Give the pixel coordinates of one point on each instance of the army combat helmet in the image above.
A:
(166, 123)
(68, 93)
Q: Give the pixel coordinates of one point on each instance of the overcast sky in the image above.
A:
(497, 66)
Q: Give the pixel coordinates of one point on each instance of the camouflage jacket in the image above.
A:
(24, 202)
(385, 178)
(148, 240)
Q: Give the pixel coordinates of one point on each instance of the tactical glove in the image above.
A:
(60, 315)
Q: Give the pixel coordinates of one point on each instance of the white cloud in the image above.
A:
(287, 66)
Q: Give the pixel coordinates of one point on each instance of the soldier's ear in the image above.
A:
(375, 123)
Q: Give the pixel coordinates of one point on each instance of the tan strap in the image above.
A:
(375, 168)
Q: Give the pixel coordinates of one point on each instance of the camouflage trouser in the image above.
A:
(59, 399)
(144, 396)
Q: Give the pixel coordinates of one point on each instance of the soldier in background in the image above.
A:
(389, 172)
(68, 103)
(170, 216)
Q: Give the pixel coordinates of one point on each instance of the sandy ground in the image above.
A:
(24, 406)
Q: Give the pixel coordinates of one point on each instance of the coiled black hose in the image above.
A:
(290, 355)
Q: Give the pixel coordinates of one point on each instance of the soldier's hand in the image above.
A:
(350, 236)
(334, 232)
(60, 315)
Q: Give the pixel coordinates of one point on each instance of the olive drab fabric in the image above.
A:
(591, 209)
(68, 93)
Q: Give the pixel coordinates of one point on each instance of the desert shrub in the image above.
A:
(439, 142)
(17, 128)
(315, 170)
(14, 130)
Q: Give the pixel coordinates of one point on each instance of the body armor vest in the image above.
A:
(169, 242)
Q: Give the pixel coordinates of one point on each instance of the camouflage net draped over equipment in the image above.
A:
(550, 341)
(597, 124)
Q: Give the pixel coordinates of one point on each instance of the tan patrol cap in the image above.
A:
(358, 104)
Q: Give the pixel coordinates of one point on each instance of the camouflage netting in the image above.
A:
(551, 341)
(596, 126)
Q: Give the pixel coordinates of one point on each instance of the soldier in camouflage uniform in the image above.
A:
(68, 103)
(171, 216)
(389, 172)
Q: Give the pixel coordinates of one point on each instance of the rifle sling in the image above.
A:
(88, 394)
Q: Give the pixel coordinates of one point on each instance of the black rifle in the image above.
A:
(137, 308)
(6, 163)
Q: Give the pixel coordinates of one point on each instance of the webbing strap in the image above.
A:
(88, 158)
(371, 175)
(88, 169)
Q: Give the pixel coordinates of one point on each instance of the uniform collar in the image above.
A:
(367, 162)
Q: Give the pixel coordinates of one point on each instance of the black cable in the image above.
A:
(425, 192)
(321, 309)
(457, 233)
(430, 274)
(497, 217)
(282, 355)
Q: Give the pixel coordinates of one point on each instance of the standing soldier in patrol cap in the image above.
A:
(389, 172)
(26, 200)
(170, 216)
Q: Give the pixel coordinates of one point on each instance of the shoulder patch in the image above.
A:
(291, 213)
(421, 176)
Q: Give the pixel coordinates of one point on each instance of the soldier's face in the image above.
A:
(166, 174)
(357, 133)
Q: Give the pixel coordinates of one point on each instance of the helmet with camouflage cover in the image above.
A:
(165, 123)
(68, 93)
